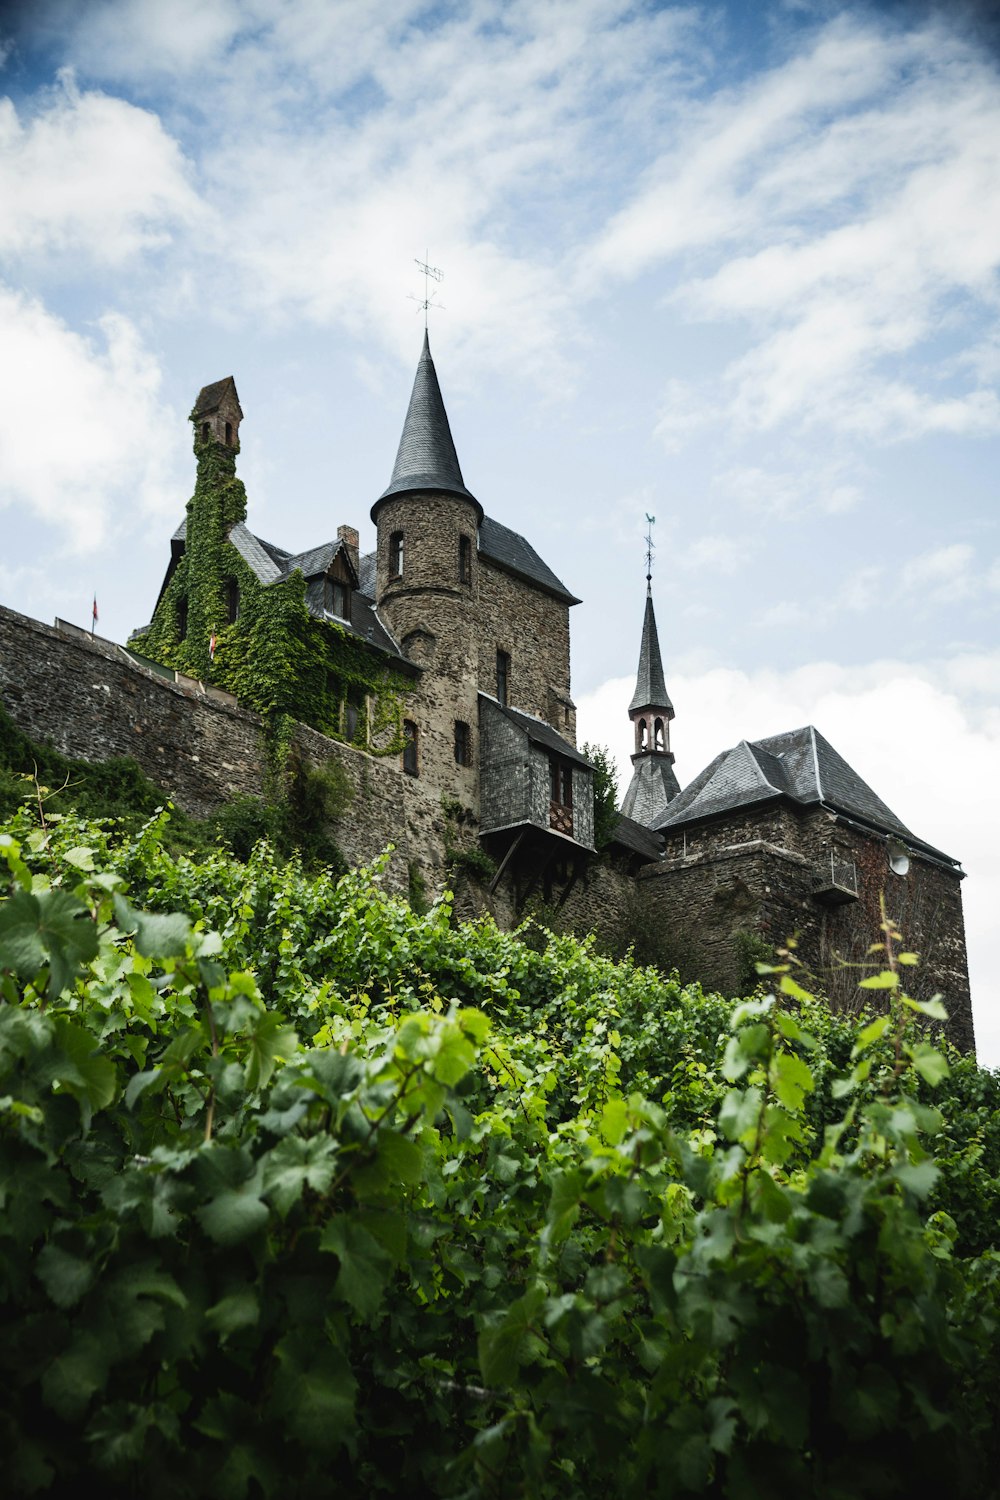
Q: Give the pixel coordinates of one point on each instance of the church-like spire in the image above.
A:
(650, 688)
(653, 783)
(426, 459)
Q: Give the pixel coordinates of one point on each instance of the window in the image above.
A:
(232, 601)
(503, 677)
(229, 434)
(205, 431)
(410, 747)
(562, 782)
(464, 560)
(182, 620)
(658, 742)
(463, 744)
(337, 598)
(353, 712)
(396, 555)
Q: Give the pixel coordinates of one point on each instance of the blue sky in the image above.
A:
(732, 265)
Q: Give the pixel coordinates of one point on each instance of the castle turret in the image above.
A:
(217, 414)
(427, 585)
(653, 783)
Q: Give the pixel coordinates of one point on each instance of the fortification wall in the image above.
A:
(91, 700)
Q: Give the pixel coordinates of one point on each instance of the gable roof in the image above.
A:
(512, 552)
(800, 765)
(650, 688)
(426, 458)
(210, 397)
(539, 732)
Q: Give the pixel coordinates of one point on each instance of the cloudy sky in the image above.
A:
(731, 265)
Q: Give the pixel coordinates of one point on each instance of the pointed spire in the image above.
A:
(650, 688)
(654, 784)
(426, 459)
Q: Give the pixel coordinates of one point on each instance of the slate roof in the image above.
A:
(653, 787)
(510, 551)
(650, 688)
(426, 459)
(800, 765)
(636, 837)
(210, 397)
(540, 733)
(272, 564)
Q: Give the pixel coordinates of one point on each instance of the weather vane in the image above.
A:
(430, 273)
(650, 549)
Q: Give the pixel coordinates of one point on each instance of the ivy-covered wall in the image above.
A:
(276, 657)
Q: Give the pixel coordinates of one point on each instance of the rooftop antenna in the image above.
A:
(430, 273)
(650, 549)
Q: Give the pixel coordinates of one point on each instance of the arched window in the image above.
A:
(641, 739)
(229, 434)
(658, 743)
(410, 764)
(396, 555)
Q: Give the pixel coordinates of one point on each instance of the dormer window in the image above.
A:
(337, 598)
(396, 555)
(464, 559)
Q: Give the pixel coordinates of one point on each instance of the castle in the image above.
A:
(436, 673)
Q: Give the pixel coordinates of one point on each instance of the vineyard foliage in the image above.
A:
(306, 1193)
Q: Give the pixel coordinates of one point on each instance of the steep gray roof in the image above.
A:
(653, 787)
(426, 459)
(210, 397)
(510, 551)
(800, 765)
(636, 837)
(650, 688)
(540, 733)
(273, 565)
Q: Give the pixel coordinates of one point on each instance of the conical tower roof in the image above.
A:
(650, 688)
(426, 459)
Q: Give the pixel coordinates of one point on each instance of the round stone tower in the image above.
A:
(427, 589)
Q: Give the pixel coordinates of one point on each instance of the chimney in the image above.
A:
(349, 537)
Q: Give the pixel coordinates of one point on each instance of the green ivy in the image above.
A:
(276, 658)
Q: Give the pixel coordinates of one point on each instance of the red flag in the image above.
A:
(94, 616)
(211, 647)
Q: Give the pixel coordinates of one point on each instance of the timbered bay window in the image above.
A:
(561, 795)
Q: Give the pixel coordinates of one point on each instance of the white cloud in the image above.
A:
(84, 435)
(800, 491)
(942, 575)
(91, 176)
(847, 205)
(929, 752)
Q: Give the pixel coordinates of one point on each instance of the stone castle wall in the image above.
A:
(91, 700)
(758, 872)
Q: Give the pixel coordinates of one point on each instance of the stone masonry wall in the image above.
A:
(92, 701)
(533, 628)
(757, 873)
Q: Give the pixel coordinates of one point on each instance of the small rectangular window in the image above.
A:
(503, 677)
(464, 560)
(338, 598)
(396, 555)
(232, 601)
(463, 744)
(410, 748)
(182, 620)
(354, 710)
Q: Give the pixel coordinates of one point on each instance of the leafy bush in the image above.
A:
(299, 1183)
